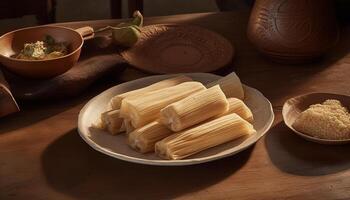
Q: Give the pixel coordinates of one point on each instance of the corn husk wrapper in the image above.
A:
(115, 102)
(142, 111)
(231, 85)
(202, 137)
(194, 109)
(144, 139)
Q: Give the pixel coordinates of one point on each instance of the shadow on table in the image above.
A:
(36, 111)
(292, 154)
(33, 112)
(74, 168)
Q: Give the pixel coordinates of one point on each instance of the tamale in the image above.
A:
(143, 139)
(109, 121)
(194, 109)
(113, 122)
(240, 108)
(115, 102)
(142, 110)
(101, 122)
(128, 126)
(207, 135)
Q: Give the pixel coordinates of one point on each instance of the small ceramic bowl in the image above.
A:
(11, 43)
(294, 106)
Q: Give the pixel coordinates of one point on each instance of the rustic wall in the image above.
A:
(69, 10)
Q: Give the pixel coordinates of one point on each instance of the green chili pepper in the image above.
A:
(126, 34)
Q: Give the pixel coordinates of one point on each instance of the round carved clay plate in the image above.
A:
(171, 48)
(116, 146)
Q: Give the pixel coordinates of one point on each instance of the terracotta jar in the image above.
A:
(293, 31)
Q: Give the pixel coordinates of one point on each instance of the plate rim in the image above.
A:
(185, 162)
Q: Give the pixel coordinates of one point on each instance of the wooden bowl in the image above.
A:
(171, 48)
(11, 43)
(294, 106)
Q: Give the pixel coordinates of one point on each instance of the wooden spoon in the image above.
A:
(294, 106)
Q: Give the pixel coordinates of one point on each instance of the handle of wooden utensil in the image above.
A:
(8, 104)
(87, 32)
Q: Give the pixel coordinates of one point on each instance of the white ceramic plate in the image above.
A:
(116, 146)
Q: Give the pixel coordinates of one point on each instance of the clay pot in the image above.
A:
(293, 31)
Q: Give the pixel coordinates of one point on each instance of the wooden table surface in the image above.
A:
(43, 157)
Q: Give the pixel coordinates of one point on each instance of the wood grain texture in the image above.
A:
(8, 104)
(42, 156)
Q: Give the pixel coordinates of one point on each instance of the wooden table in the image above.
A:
(43, 157)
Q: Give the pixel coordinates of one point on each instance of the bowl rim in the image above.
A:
(43, 26)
